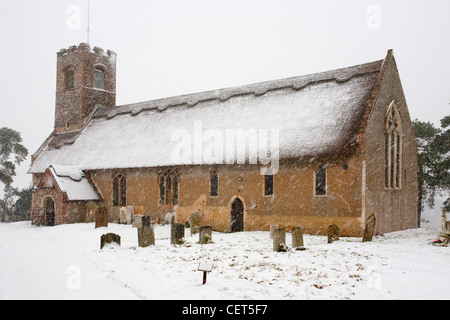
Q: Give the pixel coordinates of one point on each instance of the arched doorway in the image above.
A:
(49, 212)
(237, 215)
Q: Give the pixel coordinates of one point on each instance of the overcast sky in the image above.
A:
(169, 47)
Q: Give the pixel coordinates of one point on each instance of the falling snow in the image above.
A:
(67, 264)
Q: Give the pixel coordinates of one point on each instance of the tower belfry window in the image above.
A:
(99, 79)
(69, 78)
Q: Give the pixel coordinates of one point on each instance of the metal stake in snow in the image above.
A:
(205, 267)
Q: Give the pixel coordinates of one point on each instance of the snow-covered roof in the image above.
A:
(315, 115)
(73, 182)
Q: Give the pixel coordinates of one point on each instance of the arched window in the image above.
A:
(49, 212)
(392, 148)
(321, 181)
(268, 182)
(120, 191)
(69, 76)
(214, 184)
(168, 188)
(99, 78)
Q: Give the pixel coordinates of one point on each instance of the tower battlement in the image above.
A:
(85, 47)
(86, 80)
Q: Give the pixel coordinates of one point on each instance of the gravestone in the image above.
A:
(333, 233)
(279, 239)
(91, 211)
(369, 228)
(101, 217)
(176, 233)
(109, 238)
(126, 214)
(137, 221)
(145, 221)
(146, 234)
(169, 217)
(297, 237)
(194, 222)
(272, 227)
(205, 235)
(114, 214)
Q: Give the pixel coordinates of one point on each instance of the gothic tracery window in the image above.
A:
(119, 191)
(392, 148)
(168, 188)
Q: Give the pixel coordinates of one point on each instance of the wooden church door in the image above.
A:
(49, 212)
(237, 215)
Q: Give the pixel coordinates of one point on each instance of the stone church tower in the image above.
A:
(86, 80)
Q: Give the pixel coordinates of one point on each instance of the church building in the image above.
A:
(309, 151)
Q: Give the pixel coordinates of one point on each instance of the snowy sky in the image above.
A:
(173, 47)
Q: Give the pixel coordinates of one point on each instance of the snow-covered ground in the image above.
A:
(65, 262)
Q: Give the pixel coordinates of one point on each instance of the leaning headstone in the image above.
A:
(176, 233)
(146, 234)
(109, 238)
(297, 237)
(272, 227)
(205, 235)
(194, 222)
(279, 240)
(101, 217)
(369, 228)
(333, 233)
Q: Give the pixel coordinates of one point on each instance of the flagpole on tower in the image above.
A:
(88, 23)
